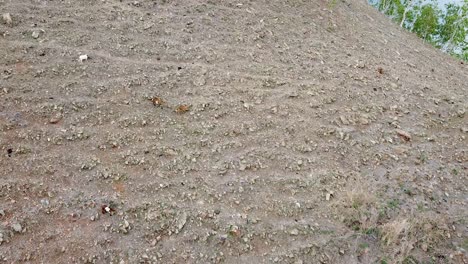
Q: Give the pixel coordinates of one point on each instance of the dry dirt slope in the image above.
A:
(318, 132)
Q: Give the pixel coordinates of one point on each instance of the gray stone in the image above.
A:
(17, 227)
(294, 232)
(35, 34)
(7, 19)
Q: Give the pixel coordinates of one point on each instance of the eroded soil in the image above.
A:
(227, 132)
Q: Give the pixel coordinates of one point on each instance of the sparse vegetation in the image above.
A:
(399, 235)
(158, 131)
(394, 232)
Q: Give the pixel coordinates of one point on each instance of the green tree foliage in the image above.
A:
(394, 8)
(446, 29)
(454, 28)
(426, 23)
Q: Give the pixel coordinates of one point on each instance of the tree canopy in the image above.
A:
(445, 28)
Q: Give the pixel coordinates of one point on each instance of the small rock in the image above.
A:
(242, 167)
(181, 222)
(294, 232)
(461, 113)
(342, 251)
(17, 227)
(234, 230)
(35, 34)
(200, 81)
(2, 212)
(360, 65)
(7, 18)
(170, 152)
(148, 26)
(364, 120)
(55, 119)
(405, 135)
(45, 202)
(424, 247)
(125, 227)
(344, 120)
(83, 58)
(293, 94)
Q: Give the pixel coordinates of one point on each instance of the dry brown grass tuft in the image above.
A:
(400, 235)
(424, 231)
(358, 209)
(359, 198)
(393, 233)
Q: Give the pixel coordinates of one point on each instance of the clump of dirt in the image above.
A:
(227, 131)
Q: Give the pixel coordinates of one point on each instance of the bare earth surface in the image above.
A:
(227, 132)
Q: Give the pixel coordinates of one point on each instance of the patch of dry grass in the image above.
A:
(402, 234)
(394, 232)
(426, 232)
(358, 209)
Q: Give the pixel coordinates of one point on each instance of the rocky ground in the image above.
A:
(227, 132)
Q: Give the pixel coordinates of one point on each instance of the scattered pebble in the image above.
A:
(424, 247)
(125, 227)
(7, 18)
(35, 34)
(148, 26)
(45, 202)
(105, 209)
(17, 227)
(55, 120)
(181, 222)
(83, 58)
(294, 232)
(405, 135)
